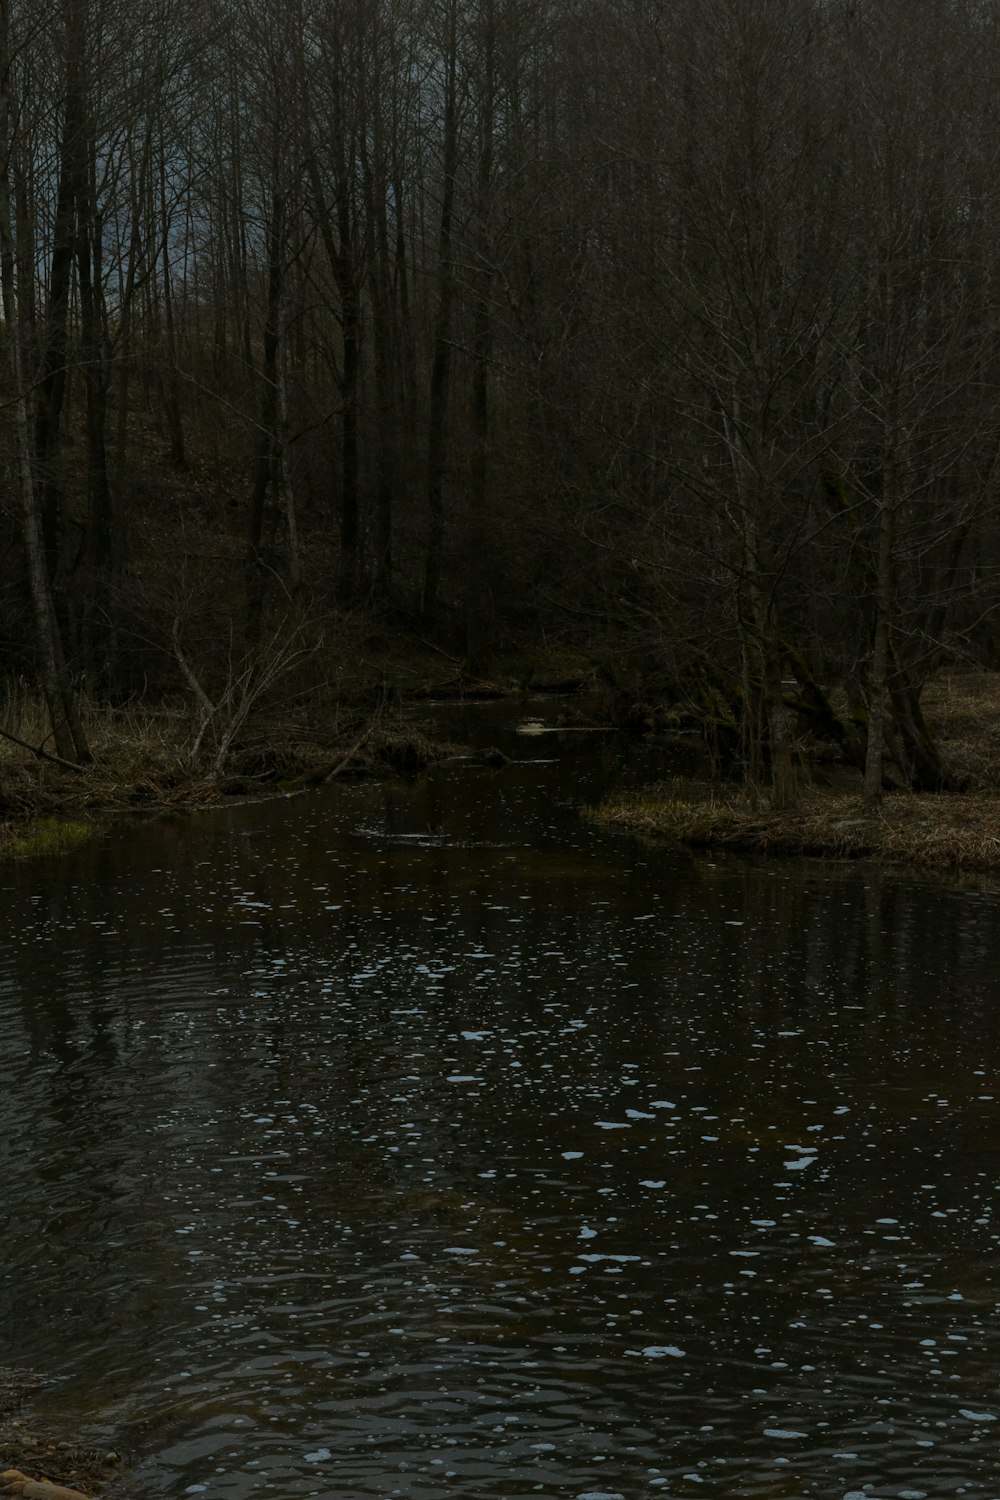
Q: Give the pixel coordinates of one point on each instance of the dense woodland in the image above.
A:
(672, 323)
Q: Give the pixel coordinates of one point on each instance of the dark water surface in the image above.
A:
(420, 1140)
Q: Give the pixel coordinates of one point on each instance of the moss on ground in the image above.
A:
(43, 836)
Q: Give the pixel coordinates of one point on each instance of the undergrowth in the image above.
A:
(45, 836)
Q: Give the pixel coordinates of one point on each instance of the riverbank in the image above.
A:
(50, 809)
(946, 832)
(956, 831)
(153, 759)
(32, 1450)
(46, 808)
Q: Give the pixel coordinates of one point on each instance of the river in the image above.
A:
(420, 1139)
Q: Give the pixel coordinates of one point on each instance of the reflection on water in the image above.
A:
(418, 1140)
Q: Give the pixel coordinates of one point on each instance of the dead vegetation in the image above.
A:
(143, 763)
(943, 831)
(963, 710)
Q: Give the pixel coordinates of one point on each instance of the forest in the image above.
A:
(669, 328)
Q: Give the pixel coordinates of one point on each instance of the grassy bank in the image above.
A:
(48, 809)
(950, 831)
(367, 714)
(947, 832)
(20, 840)
(142, 765)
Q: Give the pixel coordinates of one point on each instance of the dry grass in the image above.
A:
(940, 832)
(963, 710)
(142, 763)
(953, 831)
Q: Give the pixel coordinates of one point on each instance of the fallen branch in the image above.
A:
(56, 760)
(326, 772)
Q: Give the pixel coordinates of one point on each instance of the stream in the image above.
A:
(421, 1139)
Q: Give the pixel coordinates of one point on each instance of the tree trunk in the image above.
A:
(267, 426)
(385, 387)
(916, 753)
(878, 675)
(67, 729)
(441, 367)
(478, 600)
(341, 260)
(350, 314)
(102, 537)
(784, 780)
(171, 397)
(52, 385)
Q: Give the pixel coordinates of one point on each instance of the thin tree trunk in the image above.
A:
(441, 368)
(52, 385)
(171, 398)
(407, 342)
(878, 676)
(67, 729)
(784, 782)
(478, 570)
(285, 486)
(24, 233)
(133, 271)
(101, 529)
(267, 436)
(339, 255)
(350, 313)
(385, 393)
